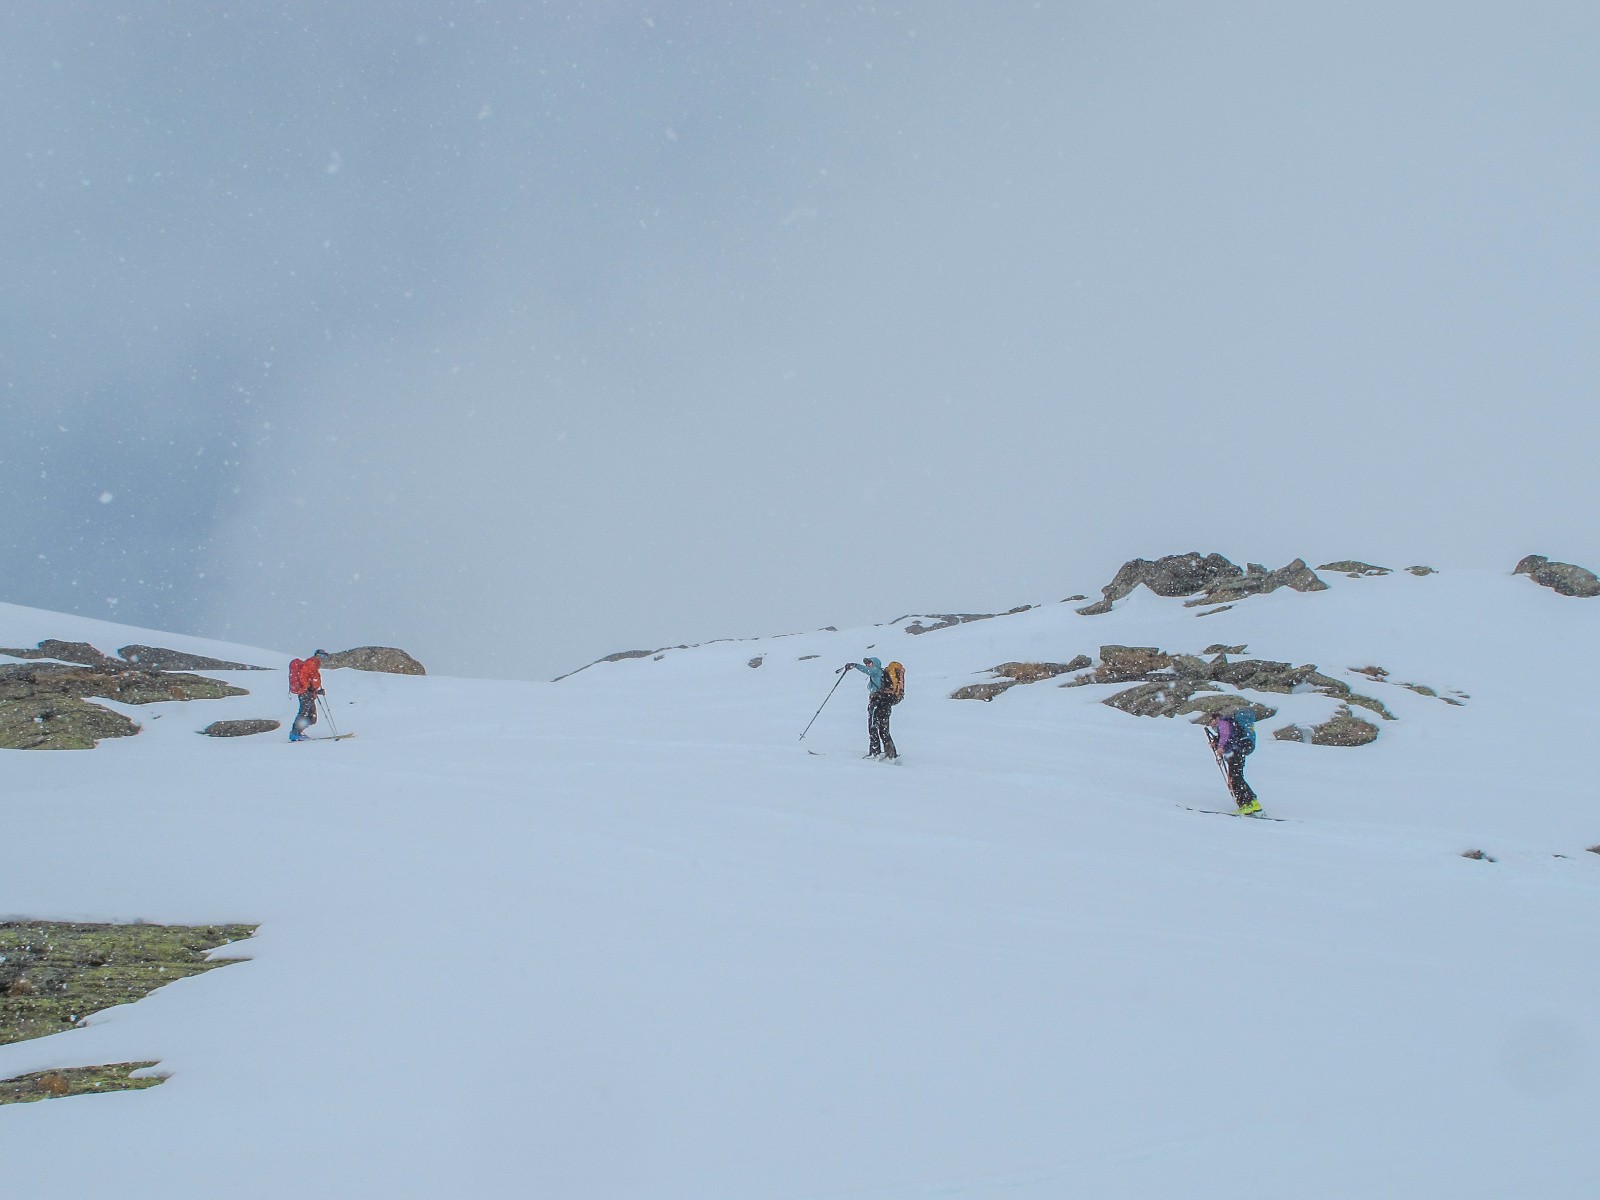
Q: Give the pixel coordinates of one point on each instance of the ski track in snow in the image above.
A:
(621, 936)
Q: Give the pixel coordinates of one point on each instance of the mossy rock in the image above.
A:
(126, 685)
(53, 974)
(239, 728)
(1344, 728)
(1371, 705)
(1122, 664)
(1032, 672)
(77, 1081)
(1165, 698)
(1225, 704)
(59, 723)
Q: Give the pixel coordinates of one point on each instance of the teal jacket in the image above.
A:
(873, 670)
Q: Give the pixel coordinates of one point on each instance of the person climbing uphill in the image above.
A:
(886, 687)
(305, 681)
(1233, 737)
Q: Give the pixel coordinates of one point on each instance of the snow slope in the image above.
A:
(622, 936)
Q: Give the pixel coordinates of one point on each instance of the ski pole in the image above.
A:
(328, 712)
(824, 703)
(1216, 753)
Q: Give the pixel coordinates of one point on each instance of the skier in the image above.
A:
(305, 681)
(1233, 737)
(885, 688)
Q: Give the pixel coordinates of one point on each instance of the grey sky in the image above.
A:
(516, 334)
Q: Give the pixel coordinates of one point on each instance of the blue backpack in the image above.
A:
(1243, 739)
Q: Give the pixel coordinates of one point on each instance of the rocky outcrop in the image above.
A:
(124, 684)
(157, 658)
(1209, 579)
(1559, 576)
(239, 728)
(81, 653)
(1166, 698)
(947, 620)
(1258, 581)
(43, 705)
(1344, 728)
(1173, 575)
(1019, 672)
(58, 722)
(386, 659)
(1353, 568)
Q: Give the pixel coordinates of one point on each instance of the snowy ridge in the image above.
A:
(621, 935)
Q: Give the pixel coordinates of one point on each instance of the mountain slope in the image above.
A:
(623, 936)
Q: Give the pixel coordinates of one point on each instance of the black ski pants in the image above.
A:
(307, 716)
(878, 739)
(1243, 793)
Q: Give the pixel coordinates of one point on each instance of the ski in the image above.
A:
(1224, 812)
(325, 737)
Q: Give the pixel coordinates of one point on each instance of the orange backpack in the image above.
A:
(894, 682)
(297, 676)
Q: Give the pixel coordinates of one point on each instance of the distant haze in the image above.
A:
(517, 334)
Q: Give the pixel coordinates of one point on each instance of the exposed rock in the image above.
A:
(125, 684)
(1422, 570)
(1258, 581)
(1219, 648)
(1173, 575)
(1559, 576)
(807, 657)
(982, 691)
(158, 659)
(1119, 664)
(1344, 728)
(42, 705)
(946, 620)
(397, 662)
(1226, 703)
(238, 728)
(81, 653)
(1032, 672)
(1019, 672)
(1164, 698)
(1479, 855)
(755, 662)
(1371, 705)
(58, 722)
(1353, 568)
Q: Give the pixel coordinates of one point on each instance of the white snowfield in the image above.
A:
(621, 936)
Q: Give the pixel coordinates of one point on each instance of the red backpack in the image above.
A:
(297, 676)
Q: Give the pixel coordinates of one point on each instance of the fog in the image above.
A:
(515, 335)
